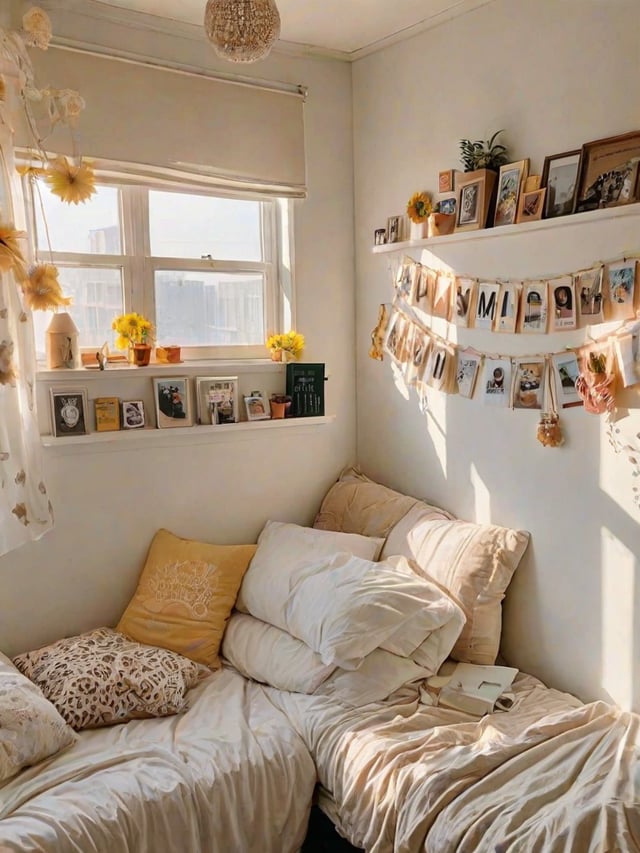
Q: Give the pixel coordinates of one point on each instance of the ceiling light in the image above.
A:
(242, 30)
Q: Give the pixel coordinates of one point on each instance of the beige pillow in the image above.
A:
(185, 596)
(474, 563)
(101, 678)
(30, 727)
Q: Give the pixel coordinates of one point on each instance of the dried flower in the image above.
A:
(11, 257)
(73, 103)
(37, 26)
(73, 184)
(42, 290)
(132, 329)
(419, 207)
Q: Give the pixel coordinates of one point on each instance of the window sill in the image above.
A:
(194, 367)
(149, 437)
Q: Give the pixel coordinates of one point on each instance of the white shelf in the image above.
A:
(150, 437)
(186, 368)
(513, 230)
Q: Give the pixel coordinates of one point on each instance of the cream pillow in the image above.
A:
(267, 654)
(31, 729)
(379, 675)
(101, 678)
(185, 596)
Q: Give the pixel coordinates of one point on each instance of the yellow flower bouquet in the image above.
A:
(132, 329)
(285, 347)
(419, 207)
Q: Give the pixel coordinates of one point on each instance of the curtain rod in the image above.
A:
(295, 89)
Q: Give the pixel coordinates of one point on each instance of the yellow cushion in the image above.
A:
(185, 596)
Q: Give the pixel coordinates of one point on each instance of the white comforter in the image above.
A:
(229, 776)
(550, 776)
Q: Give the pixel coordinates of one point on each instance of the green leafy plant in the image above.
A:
(597, 363)
(483, 154)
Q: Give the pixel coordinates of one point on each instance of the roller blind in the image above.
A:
(215, 130)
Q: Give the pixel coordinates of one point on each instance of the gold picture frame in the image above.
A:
(510, 180)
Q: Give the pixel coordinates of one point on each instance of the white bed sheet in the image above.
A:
(230, 774)
(550, 776)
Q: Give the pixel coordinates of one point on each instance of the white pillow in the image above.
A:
(343, 606)
(379, 675)
(271, 656)
(31, 729)
(283, 548)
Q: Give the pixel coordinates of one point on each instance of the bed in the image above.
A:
(229, 774)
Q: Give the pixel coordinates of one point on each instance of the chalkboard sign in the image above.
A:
(305, 386)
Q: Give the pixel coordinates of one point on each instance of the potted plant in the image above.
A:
(280, 405)
(482, 160)
(594, 385)
(483, 154)
(135, 334)
(285, 347)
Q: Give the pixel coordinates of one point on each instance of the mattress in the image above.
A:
(230, 774)
(549, 776)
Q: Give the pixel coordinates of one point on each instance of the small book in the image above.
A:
(475, 689)
(107, 413)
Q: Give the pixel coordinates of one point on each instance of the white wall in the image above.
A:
(554, 74)
(108, 504)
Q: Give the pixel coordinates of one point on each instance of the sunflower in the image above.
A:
(42, 290)
(72, 184)
(419, 207)
(11, 257)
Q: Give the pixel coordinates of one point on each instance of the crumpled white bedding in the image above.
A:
(230, 774)
(549, 776)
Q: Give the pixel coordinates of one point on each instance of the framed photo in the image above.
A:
(257, 407)
(173, 402)
(133, 414)
(393, 229)
(69, 411)
(107, 413)
(473, 196)
(379, 236)
(531, 206)
(510, 180)
(559, 178)
(217, 399)
(445, 182)
(608, 172)
(447, 205)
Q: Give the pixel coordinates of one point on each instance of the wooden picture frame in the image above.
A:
(473, 197)
(69, 407)
(531, 205)
(510, 181)
(217, 400)
(172, 395)
(560, 179)
(608, 172)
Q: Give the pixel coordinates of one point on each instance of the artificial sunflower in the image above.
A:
(42, 290)
(72, 184)
(31, 171)
(11, 258)
(419, 207)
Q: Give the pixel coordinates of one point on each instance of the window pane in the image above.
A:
(195, 226)
(91, 227)
(209, 309)
(97, 300)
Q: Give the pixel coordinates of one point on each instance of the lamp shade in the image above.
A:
(242, 30)
(61, 341)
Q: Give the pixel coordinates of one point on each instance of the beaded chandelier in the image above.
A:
(242, 30)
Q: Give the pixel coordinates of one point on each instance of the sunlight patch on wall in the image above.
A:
(618, 570)
(398, 380)
(482, 497)
(437, 426)
(616, 469)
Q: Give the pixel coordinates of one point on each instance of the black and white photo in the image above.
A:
(69, 411)
(133, 414)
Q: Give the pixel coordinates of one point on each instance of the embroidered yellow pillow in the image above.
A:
(185, 596)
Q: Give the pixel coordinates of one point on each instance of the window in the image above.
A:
(211, 272)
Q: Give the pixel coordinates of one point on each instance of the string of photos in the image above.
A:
(588, 375)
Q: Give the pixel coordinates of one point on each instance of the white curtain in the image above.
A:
(25, 510)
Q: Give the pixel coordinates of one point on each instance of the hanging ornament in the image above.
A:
(549, 429)
(73, 184)
(242, 30)
(377, 335)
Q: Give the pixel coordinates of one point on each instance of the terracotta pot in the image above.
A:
(277, 409)
(140, 354)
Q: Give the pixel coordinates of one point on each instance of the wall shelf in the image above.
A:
(150, 437)
(512, 230)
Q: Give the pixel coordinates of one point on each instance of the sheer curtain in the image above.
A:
(25, 509)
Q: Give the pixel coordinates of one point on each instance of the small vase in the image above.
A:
(140, 354)
(276, 355)
(418, 230)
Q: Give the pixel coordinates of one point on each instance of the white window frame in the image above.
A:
(139, 266)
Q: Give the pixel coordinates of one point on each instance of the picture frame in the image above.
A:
(510, 181)
(531, 205)
(107, 412)
(132, 413)
(305, 385)
(393, 229)
(217, 400)
(608, 172)
(445, 181)
(447, 205)
(560, 179)
(379, 236)
(172, 397)
(473, 197)
(69, 407)
(257, 406)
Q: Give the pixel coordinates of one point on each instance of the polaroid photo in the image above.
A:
(588, 288)
(528, 383)
(621, 290)
(463, 298)
(534, 307)
(563, 315)
(507, 310)
(566, 371)
(496, 382)
(486, 305)
(467, 372)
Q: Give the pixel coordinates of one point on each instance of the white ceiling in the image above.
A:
(349, 27)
